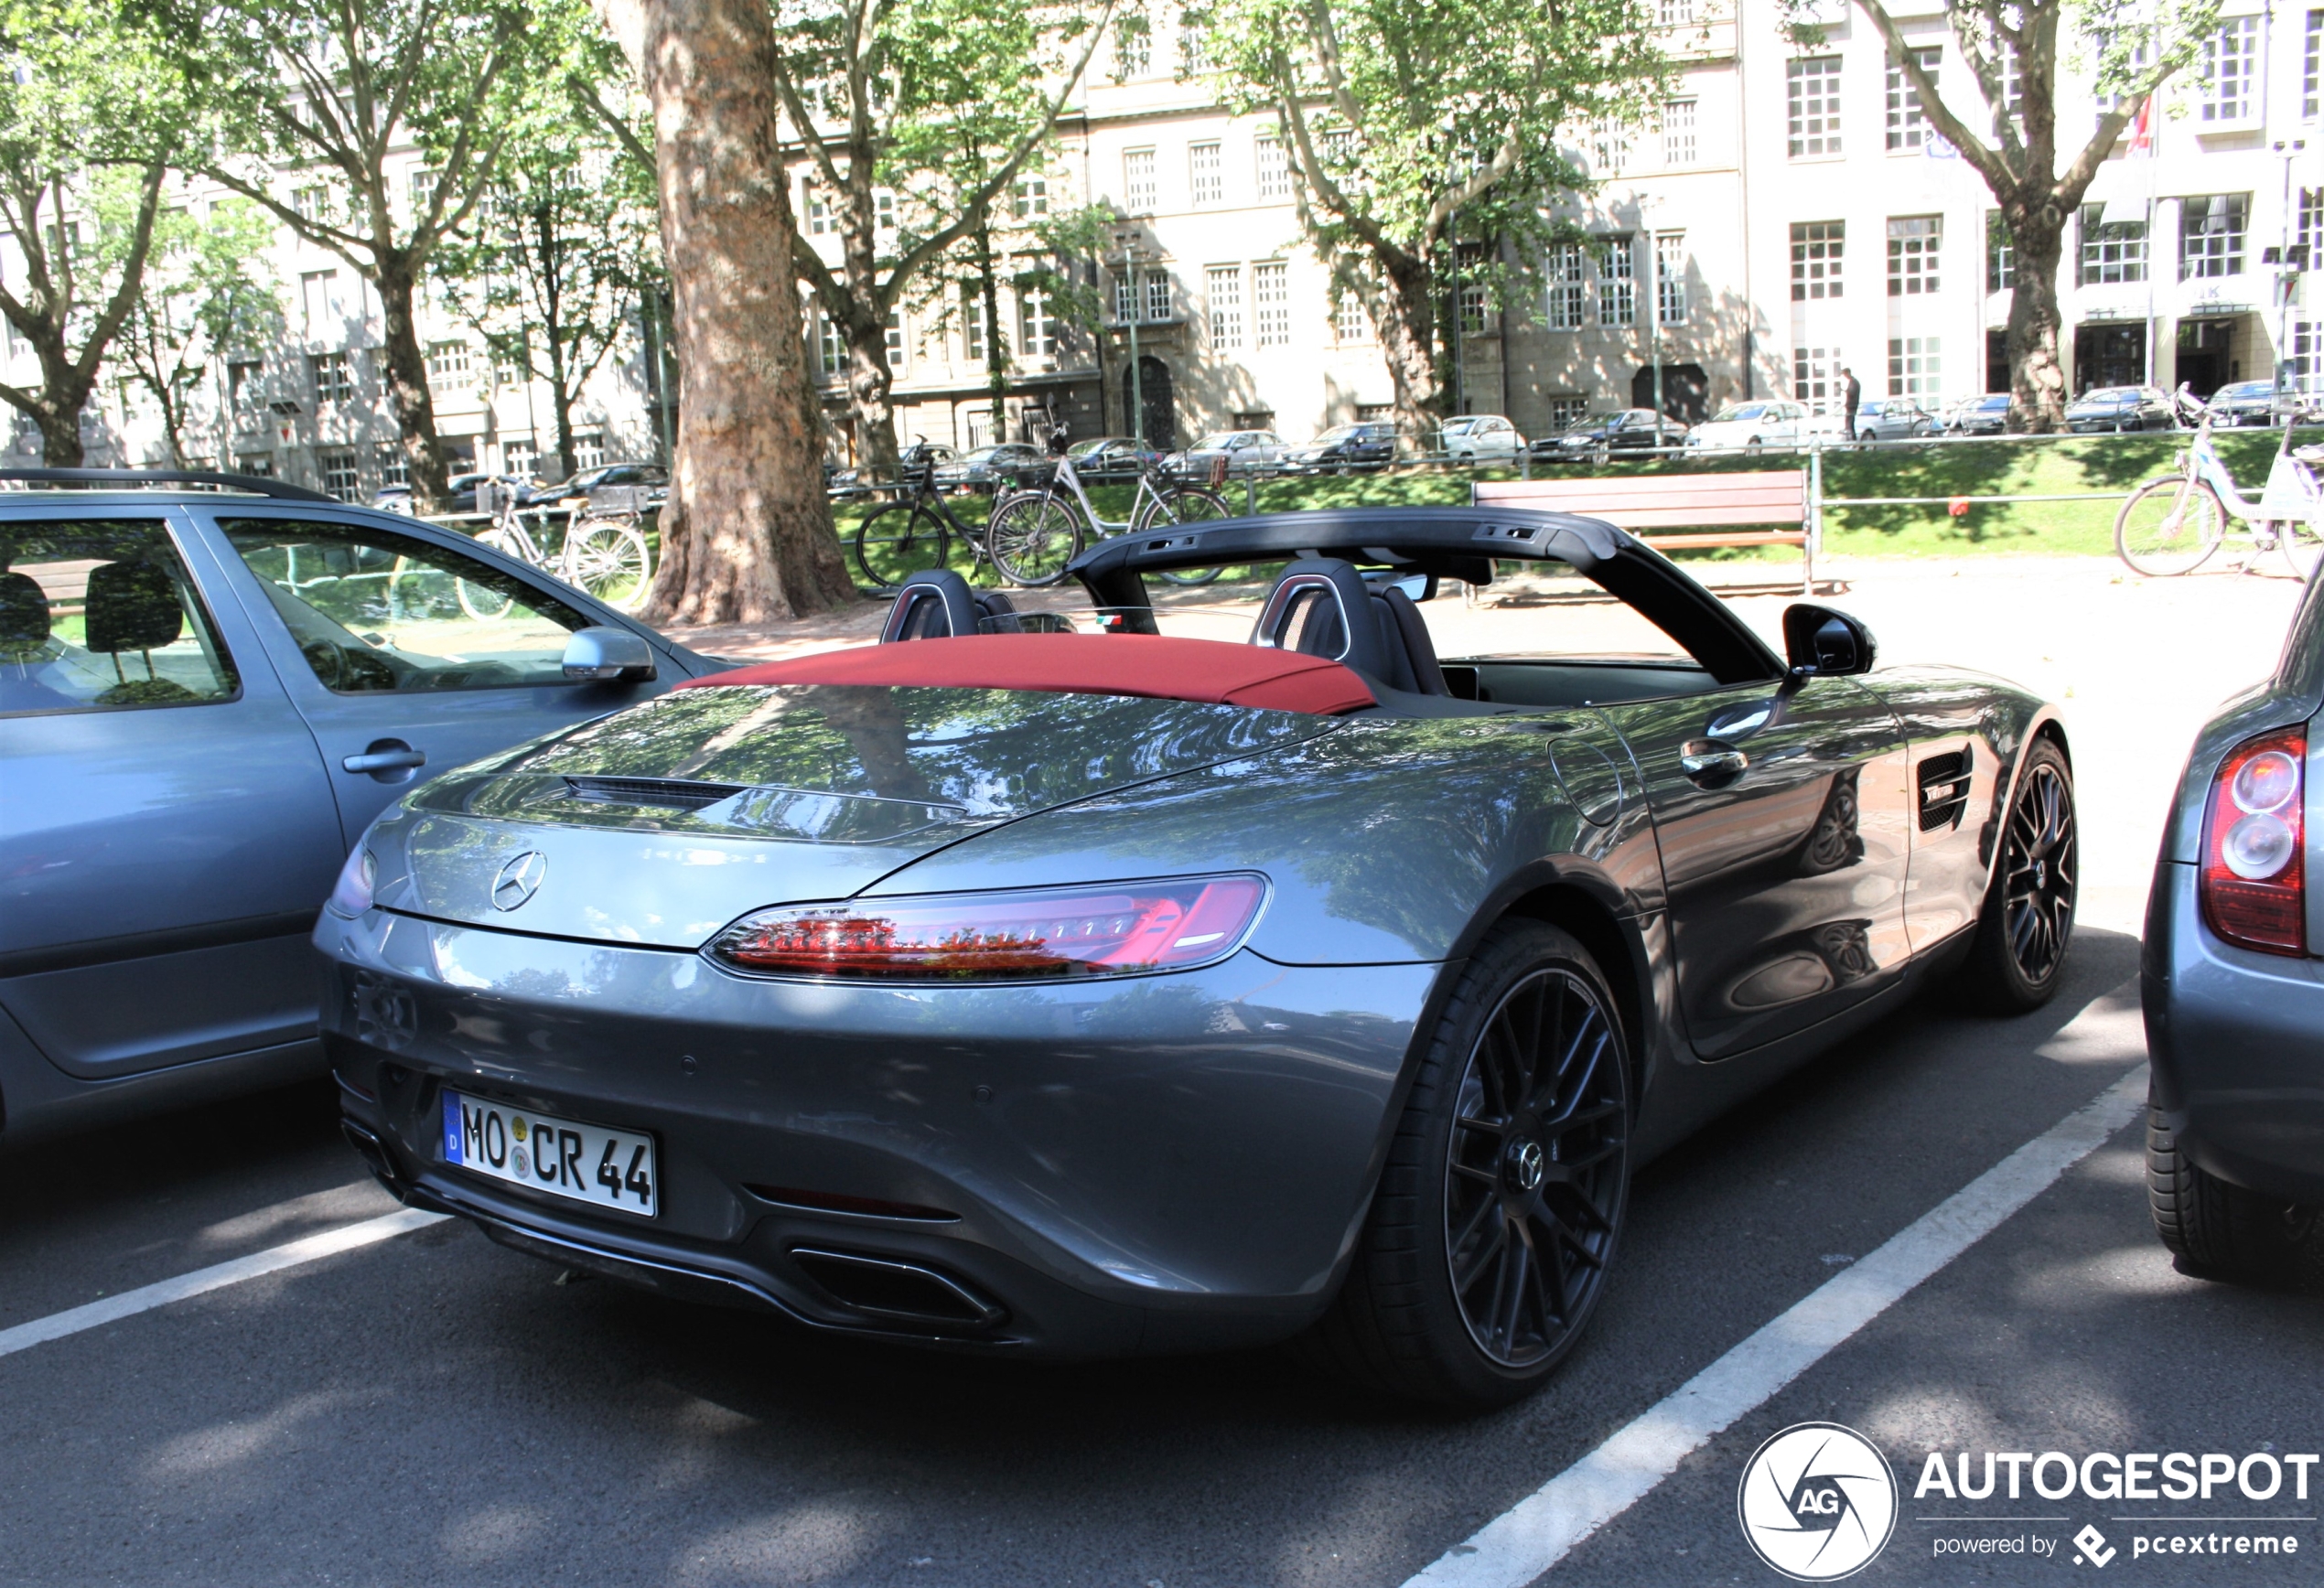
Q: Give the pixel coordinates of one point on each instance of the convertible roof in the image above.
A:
(1453, 543)
(1162, 666)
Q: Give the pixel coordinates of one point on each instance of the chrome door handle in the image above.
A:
(385, 760)
(1709, 761)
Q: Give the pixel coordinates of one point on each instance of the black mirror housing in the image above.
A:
(1823, 643)
(602, 654)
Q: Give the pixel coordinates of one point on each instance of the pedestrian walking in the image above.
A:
(1851, 397)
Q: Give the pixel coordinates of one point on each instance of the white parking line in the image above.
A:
(128, 1304)
(1527, 1540)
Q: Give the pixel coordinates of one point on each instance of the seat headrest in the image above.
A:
(23, 615)
(131, 606)
(933, 604)
(1321, 606)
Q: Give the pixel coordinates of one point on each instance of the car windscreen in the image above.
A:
(1340, 432)
(1735, 412)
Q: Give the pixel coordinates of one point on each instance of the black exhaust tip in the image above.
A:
(905, 1292)
(375, 1156)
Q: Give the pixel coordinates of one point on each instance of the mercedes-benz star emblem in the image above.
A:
(519, 880)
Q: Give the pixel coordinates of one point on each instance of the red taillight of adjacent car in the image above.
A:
(1033, 935)
(2254, 876)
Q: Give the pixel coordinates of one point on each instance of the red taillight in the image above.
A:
(2253, 879)
(1037, 934)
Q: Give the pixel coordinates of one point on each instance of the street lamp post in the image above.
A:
(2286, 277)
(1138, 393)
(1653, 306)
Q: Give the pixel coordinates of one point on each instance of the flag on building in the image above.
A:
(2142, 128)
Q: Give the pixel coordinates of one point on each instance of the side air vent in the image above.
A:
(1944, 788)
(898, 1293)
(658, 793)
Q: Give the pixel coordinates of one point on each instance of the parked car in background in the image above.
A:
(1893, 419)
(989, 468)
(1597, 434)
(1242, 452)
(2120, 408)
(1986, 415)
(854, 482)
(1111, 457)
(205, 697)
(1762, 422)
(2255, 402)
(1481, 439)
(615, 488)
(397, 498)
(1344, 448)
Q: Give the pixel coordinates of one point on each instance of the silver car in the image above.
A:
(1893, 419)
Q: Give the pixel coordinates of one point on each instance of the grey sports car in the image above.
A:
(1059, 984)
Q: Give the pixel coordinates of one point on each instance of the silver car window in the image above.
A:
(100, 615)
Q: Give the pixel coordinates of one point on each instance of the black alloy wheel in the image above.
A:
(2029, 917)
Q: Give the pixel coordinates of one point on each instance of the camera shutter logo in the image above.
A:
(1817, 1502)
(519, 880)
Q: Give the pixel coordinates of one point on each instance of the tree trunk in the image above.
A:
(868, 385)
(1406, 325)
(56, 410)
(747, 535)
(2038, 382)
(59, 437)
(996, 350)
(406, 372)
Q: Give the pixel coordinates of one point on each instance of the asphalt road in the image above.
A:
(434, 1410)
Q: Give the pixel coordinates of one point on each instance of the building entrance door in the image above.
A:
(2109, 355)
(1685, 387)
(1161, 413)
(2202, 354)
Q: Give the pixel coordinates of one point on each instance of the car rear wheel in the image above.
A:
(2019, 952)
(1496, 1217)
(2222, 1231)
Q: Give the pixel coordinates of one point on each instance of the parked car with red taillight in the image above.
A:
(2233, 982)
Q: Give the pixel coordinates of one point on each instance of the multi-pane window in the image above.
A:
(244, 385)
(1610, 146)
(884, 211)
(2312, 67)
(422, 185)
(1565, 270)
(1915, 368)
(1815, 379)
(972, 324)
(2111, 252)
(1133, 50)
(896, 338)
(1813, 94)
(1616, 283)
(1565, 412)
(1032, 197)
(2210, 234)
(1678, 131)
(1349, 322)
(1473, 307)
(818, 208)
(588, 449)
(1675, 12)
(334, 381)
(261, 466)
(395, 466)
(2012, 78)
(1224, 286)
(1818, 248)
(521, 458)
(1669, 277)
(1206, 175)
(451, 366)
(1914, 245)
(342, 478)
(325, 310)
(2001, 253)
(2231, 71)
(831, 345)
(1036, 323)
(1908, 122)
(1138, 185)
(1273, 170)
(2307, 231)
(309, 203)
(2307, 358)
(1194, 50)
(1271, 303)
(1157, 295)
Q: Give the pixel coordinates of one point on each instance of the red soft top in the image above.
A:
(1164, 667)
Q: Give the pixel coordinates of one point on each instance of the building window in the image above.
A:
(1194, 50)
(2309, 232)
(2111, 253)
(2001, 253)
(1908, 122)
(334, 381)
(1272, 168)
(326, 312)
(2312, 68)
(896, 338)
(2307, 358)
(1815, 379)
(1678, 131)
(451, 366)
(341, 477)
(1818, 248)
(1616, 283)
(1913, 242)
(588, 449)
(2013, 80)
(1157, 295)
(1032, 197)
(1224, 283)
(1565, 270)
(817, 209)
(884, 211)
(422, 185)
(1036, 323)
(1137, 181)
(1349, 321)
(244, 386)
(2231, 66)
(1205, 178)
(1610, 146)
(1271, 303)
(1565, 412)
(1473, 309)
(2210, 234)
(260, 464)
(1669, 277)
(1133, 50)
(831, 347)
(1813, 88)
(1675, 12)
(393, 467)
(521, 458)
(309, 203)
(972, 324)
(1915, 369)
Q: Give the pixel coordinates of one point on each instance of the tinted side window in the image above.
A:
(373, 611)
(100, 615)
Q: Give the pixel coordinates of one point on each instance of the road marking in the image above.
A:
(1533, 1535)
(128, 1304)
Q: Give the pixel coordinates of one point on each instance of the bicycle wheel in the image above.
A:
(1031, 538)
(2169, 527)
(2302, 544)
(483, 602)
(897, 541)
(1184, 504)
(609, 559)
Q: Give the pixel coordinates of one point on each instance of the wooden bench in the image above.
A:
(1762, 507)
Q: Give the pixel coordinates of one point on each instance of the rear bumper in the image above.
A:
(1155, 1164)
(2237, 1043)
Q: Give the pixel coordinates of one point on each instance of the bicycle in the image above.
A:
(2171, 526)
(604, 553)
(909, 534)
(1034, 535)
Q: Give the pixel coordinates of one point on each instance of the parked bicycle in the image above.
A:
(605, 553)
(913, 533)
(2172, 525)
(1034, 534)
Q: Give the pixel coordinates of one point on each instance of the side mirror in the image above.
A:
(1821, 643)
(603, 653)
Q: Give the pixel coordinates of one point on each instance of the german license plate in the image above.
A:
(562, 1157)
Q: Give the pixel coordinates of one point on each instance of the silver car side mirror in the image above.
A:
(602, 653)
